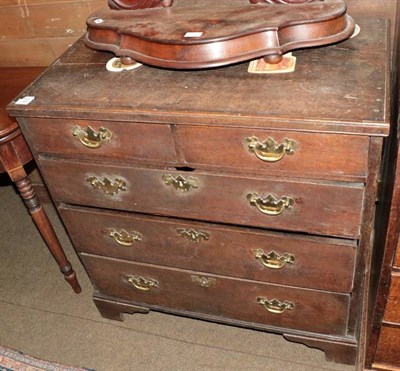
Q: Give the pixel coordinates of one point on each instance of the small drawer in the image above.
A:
(392, 310)
(319, 208)
(243, 300)
(388, 351)
(237, 252)
(91, 139)
(325, 156)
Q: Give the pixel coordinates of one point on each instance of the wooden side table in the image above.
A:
(14, 154)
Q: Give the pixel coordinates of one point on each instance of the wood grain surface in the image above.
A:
(353, 102)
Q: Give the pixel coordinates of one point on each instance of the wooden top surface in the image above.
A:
(170, 25)
(342, 88)
(12, 81)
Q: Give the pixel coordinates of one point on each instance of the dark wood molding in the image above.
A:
(138, 4)
(288, 2)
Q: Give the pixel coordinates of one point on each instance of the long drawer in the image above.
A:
(238, 252)
(321, 208)
(91, 139)
(243, 300)
(279, 152)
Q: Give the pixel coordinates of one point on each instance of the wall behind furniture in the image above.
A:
(35, 32)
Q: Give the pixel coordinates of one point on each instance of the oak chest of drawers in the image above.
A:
(239, 198)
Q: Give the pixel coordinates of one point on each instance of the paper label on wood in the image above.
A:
(288, 64)
(25, 100)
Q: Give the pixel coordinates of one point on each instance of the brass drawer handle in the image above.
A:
(204, 281)
(91, 138)
(270, 150)
(269, 205)
(107, 186)
(275, 306)
(141, 283)
(180, 183)
(192, 235)
(125, 238)
(273, 260)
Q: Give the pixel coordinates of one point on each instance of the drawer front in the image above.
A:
(237, 252)
(264, 151)
(300, 309)
(117, 140)
(321, 208)
(392, 310)
(388, 351)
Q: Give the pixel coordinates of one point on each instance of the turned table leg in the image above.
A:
(43, 224)
(14, 153)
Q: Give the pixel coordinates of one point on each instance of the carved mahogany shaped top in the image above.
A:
(190, 37)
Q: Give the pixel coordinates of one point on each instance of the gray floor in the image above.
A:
(41, 316)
